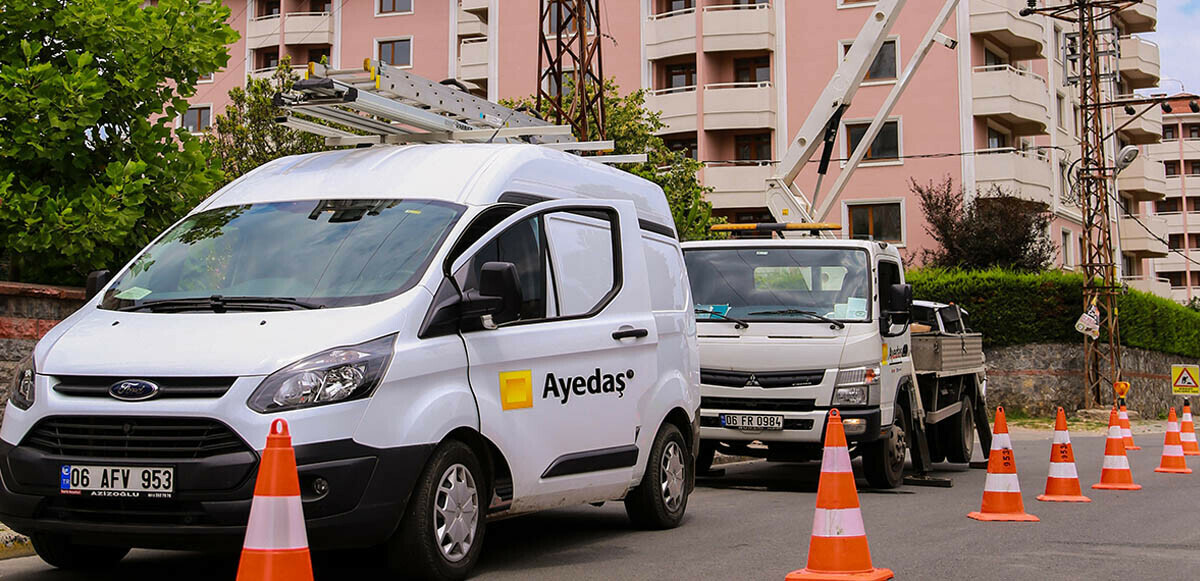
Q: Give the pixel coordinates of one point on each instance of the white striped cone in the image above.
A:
(276, 545)
(1126, 432)
(1173, 461)
(1062, 483)
(1115, 474)
(1001, 490)
(1187, 433)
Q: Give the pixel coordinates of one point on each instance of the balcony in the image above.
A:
(1143, 130)
(1139, 62)
(1017, 98)
(308, 28)
(1022, 174)
(1141, 17)
(1175, 221)
(1000, 21)
(1147, 284)
(473, 59)
(739, 27)
(1137, 242)
(477, 7)
(263, 31)
(739, 105)
(268, 72)
(1145, 180)
(671, 34)
(1181, 295)
(678, 108)
(738, 185)
(470, 25)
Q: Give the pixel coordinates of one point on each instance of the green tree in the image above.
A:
(246, 135)
(92, 163)
(631, 127)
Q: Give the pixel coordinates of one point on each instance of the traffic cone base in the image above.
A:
(1173, 461)
(1103, 486)
(1062, 498)
(276, 564)
(1003, 517)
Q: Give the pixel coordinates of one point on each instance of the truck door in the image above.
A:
(558, 387)
(896, 361)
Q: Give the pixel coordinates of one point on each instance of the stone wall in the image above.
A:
(1037, 379)
(27, 312)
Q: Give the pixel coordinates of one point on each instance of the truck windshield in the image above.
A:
(803, 285)
(284, 255)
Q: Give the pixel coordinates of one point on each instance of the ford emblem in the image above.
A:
(133, 389)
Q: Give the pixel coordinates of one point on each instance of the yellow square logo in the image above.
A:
(516, 389)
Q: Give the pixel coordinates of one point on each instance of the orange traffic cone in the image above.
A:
(1126, 432)
(1062, 485)
(276, 547)
(1116, 474)
(1187, 431)
(1173, 461)
(838, 546)
(1001, 491)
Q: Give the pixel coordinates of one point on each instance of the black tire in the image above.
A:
(704, 460)
(415, 551)
(661, 499)
(959, 433)
(58, 551)
(883, 460)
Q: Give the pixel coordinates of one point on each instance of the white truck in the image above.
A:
(791, 328)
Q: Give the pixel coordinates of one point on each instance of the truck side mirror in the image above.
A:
(96, 281)
(498, 298)
(897, 310)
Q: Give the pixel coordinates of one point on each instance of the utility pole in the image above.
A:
(1101, 355)
(569, 47)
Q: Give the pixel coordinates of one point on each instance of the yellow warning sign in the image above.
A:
(1121, 387)
(1185, 379)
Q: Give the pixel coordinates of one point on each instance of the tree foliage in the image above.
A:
(631, 127)
(91, 165)
(993, 229)
(246, 135)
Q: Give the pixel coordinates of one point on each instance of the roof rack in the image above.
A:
(381, 104)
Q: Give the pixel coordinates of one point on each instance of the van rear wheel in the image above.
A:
(60, 552)
(661, 499)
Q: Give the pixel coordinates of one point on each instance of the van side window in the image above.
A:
(523, 245)
(889, 274)
(584, 260)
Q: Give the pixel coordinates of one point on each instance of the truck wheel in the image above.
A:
(660, 500)
(959, 441)
(443, 527)
(704, 460)
(937, 452)
(883, 460)
(58, 551)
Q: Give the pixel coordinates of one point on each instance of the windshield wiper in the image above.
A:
(220, 304)
(737, 323)
(833, 322)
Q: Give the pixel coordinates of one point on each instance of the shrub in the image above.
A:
(1012, 308)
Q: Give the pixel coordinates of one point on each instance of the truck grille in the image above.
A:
(142, 437)
(97, 385)
(767, 379)
(757, 405)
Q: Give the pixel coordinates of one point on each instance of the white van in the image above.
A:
(453, 332)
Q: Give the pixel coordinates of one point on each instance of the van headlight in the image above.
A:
(856, 386)
(339, 374)
(21, 391)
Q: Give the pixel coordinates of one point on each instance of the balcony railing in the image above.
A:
(475, 6)
(739, 105)
(729, 27)
(1001, 22)
(738, 184)
(263, 31)
(1149, 284)
(473, 59)
(1144, 236)
(1017, 97)
(1145, 180)
(1024, 174)
(677, 106)
(1140, 62)
(308, 28)
(1141, 17)
(671, 34)
(1143, 130)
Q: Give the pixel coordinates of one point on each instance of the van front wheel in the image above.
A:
(661, 499)
(442, 531)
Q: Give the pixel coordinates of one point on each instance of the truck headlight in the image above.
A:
(339, 374)
(21, 392)
(856, 386)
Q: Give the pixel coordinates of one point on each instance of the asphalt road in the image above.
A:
(754, 524)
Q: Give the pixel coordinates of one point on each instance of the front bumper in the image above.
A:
(798, 426)
(368, 490)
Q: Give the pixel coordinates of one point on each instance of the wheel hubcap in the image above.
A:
(671, 473)
(456, 512)
(899, 447)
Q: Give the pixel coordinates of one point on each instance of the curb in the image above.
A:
(13, 545)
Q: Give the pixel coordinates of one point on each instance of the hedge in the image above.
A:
(1016, 308)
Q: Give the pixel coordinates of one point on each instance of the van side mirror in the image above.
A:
(498, 298)
(897, 309)
(96, 281)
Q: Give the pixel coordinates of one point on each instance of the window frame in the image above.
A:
(844, 47)
(849, 4)
(846, 205)
(759, 137)
(379, 13)
(179, 120)
(844, 143)
(412, 51)
(754, 67)
(689, 70)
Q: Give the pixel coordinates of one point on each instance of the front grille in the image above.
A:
(768, 379)
(124, 511)
(758, 405)
(142, 437)
(788, 424)
(97, 385)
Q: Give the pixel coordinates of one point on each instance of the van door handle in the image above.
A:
(630, 334)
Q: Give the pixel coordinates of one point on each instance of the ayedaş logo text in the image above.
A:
(596, 383)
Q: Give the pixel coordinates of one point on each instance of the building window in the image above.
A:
(885, 65)
(197, 119)
(752, 70)
(1061, 111)
(993, 59)
(1175, 242)
(996, 139)
(1167, 206)
(685, 145)
(1065, 249)
(205, 78)
(395, 6)
(317, 55)
(886, 145)
(681, 75)
(267, 59)
(752, 147)
(1169, 133)
(269, 8)
(1193, 131)
(396, 52)
(875, 222)
(1172, 167)
(567, 18)
(325, 6)
(676, 5)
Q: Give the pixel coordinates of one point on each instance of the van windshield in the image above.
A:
(780, 284)
(281, 255)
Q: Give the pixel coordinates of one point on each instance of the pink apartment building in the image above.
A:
(1179, 152)
(734, 79)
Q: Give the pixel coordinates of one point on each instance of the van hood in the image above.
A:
(757, 348)
(101, 342)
